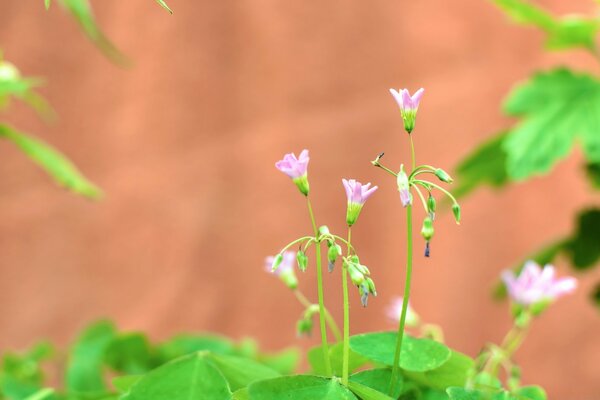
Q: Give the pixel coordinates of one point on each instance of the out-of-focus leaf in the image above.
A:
(85, 365)
(557, 108)
(186, 344)
(125, 382)
(584, 247)
(164, 5)
(377, 379)
(593, 173)
(562, 33)
(284, 362)
(596, 295)
(130, 353)
(21, 375)
(13, 85)
(485, 165)
(81, 10)
(63, 171)
(43, 394)
(47, 4)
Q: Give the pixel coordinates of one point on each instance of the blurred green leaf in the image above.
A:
(54, 163)
(85, 364)
(21, 375)
(164, 5)
(315, 359)
(584, 247)
(596, 295)
(42, 394)
(47, 4)
(562, 33)
(377, 379)
(125, 382)
(593, 173)
(485, 165)
(299, 387)
(240, 372)
(557, 107)
(454, 372)
(13, 85)
(186, 344)
(130, 353)
(284, 362)
(81, 10)
(530, 393)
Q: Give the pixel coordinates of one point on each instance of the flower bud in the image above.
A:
(332, 254)
(276, 261)
(323, 230)
(404, 187)
(431, 206)
(302, 260)
(365, 289)
(456, 212)
(427, 229)
(443, 176)
(304, 327)
(356, 276)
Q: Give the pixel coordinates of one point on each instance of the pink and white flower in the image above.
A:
(357, 195)
(296, 168)
(409, 105)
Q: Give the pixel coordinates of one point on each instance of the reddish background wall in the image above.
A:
(184, 144)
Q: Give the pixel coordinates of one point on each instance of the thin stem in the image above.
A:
(422, 198)
(412, 152)
(396, 366)
(329, 318)
(309, 238)
(386, 169)
(438, 187)
(347, 243)
(322, 318)
(346, 348)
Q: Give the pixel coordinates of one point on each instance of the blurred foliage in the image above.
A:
(555, 110)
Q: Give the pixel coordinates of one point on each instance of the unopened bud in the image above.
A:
(323, 230)
(276, 261)
(443, 176)
(427, 229)
(431, 206)
(302, 260)
(456, 212)
(356, 276)
(332, 254)
(304, 327)
(404, 187)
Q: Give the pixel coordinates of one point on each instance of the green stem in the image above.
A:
(396, 366)
(386, 169)
(346, 349)
(438, 187)
(328, 317)
(412, 152)
(322, 318)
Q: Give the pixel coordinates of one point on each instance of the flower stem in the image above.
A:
(322, 318)
(396, 366)
(328, 317)
(412, 152)
(346, 348)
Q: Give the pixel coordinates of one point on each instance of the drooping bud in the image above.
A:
(365, 289)
(427, 230)
(456, 212)
(431, 206)
(304, 327)
(323, 230)
(356, 276)
(443, 176)
(296, 168)
(284, 269)
(332, 254)
(302, 260)
(404, 187)
(276, 261)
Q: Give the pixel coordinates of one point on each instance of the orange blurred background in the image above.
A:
(184, 143)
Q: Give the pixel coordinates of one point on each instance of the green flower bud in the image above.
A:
(431, 206)
(323, 230)
(332, 254)
(302, 260)
(276, 261)
(304, 327)
(456, 212)
(443, 176)
(356, 276)
(427, 229)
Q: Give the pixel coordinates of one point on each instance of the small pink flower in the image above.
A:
(409, 105)
(294, 167)
(357, 194)
(394, 312)
(535, 284)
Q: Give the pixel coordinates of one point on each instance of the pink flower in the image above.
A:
(292, 166)
(535, 284)
(394, 312)
(408, 106)
(296, 168)
(357, 194)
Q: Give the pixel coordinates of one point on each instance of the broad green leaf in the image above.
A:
(315, 359)
(557, 108)
(125, 382)
(593, 173)
(417, 355)
(459, 393)
(367, 393)
(21, 375)
(583, 247)
(188, 378)
(299, 387)
(284, 362)
(186, 344)
(430, 394)
(454, 372)
(377, 379)
(164, 5)
(241, 372)
(130, 354)
(566, 32)
(530, 393)
(84, 368)
(54, 163)
(241, 394)
(485, 165)
(81, 10)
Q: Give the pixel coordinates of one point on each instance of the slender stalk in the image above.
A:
(396, 366)
(438, 187)
(412, 152)
(346, 346)
(328, 317)
(386, 169)
(322, 318)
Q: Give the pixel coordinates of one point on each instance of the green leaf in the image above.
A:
(567, 32)
(557, 107)
(241, 394)
(416, 355)
(187, 378)
(593, 173)
(315, 359)
(186, 344)
(43, 394)
(13, 85)
(583, 247)
(485, 165)
(125, 382)
(454, 372)
(367, 393)
(284, 362)
(376, 379)
(531, 393)
(131, 354)
(81, 10)
(63, 171)
(241, 372)
(299, 387)
(84, 368)
(596, 295)
(164, 5)
(21, 375)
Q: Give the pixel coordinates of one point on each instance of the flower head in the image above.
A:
(357, 194)
(394, 312)
(296, 168)
(535, 284)
(409, 105)
(285, 269)
(404, 187)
